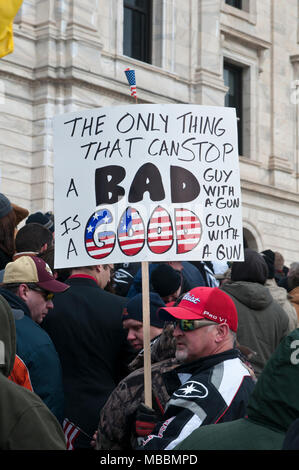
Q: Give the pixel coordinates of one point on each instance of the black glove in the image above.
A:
(146, 420)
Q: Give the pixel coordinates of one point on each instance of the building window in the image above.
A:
(137, 29)
(233, 79)
(234, 3)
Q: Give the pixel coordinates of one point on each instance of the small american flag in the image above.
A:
(130, 74)
(160, 231)
(188, 230)
(131, 232)
(71, 432)
(106, 239)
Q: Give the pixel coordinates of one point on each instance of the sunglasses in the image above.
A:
(46, 294)
(190, 325)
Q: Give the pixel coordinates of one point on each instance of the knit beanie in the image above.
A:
(269, 257)
(5, 206)
(134, 309)
(253, 269)
(43, 219)
(165, 280)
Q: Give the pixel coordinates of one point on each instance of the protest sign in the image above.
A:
(147, 183)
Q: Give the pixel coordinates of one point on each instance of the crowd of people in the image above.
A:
(223, 340)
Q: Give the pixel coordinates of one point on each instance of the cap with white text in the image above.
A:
(204, 303)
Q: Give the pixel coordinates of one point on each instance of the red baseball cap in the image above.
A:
(204, 303)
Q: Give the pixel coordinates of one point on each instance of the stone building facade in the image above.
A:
(69, 54)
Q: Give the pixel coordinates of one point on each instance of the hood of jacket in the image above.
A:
(15, 302)
(7, 338)
(275, 399)
(252, 294)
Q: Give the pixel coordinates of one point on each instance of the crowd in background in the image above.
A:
(73, 340)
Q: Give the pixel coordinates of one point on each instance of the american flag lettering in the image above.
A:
(106, 239)
(130, 74)
(131, 232)
(188, 230)
(160, 231)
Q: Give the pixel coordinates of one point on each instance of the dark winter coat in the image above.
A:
(26, 422)
(116, 425)
(213, 389)
(37, 351)
(262, 322)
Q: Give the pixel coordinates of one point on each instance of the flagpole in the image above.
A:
(146, 335)
(130, 74)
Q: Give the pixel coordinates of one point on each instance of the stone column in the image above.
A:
(68, 57)
(209, 88)
(280, 106)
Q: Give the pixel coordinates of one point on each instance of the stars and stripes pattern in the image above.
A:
(106, 239)
(160, 231)
(131, 232)
(130, 74)
(188, 230)
(71, 432)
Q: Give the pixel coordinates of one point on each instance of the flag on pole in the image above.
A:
(8, 11)
(71, 432)
(130, 74)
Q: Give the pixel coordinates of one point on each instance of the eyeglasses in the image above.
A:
(190, 325)
(48, 296)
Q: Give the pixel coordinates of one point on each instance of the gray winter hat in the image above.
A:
(5, 206)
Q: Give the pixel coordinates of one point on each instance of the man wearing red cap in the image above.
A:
(212, 384)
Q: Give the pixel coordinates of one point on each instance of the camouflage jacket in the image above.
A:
(117, 418)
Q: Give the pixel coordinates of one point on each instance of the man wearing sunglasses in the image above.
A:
(212, 385)
(29, 287)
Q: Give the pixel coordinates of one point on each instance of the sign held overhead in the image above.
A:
(147, 183)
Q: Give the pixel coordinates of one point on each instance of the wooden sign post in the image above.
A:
(146, 335)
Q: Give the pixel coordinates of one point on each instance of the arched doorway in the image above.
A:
(251, 237)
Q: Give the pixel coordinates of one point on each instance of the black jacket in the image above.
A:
(4, 259)
(86, 328)
(213, 389)
(291, 440)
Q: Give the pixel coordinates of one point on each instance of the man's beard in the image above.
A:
(181, 355)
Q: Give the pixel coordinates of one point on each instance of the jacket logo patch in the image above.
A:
(192, 389)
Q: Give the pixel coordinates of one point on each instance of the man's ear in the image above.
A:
(222, 331)
(44, 248)
(22, 291)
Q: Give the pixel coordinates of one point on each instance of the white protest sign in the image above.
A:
(147, 183)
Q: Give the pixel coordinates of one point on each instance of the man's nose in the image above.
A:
(131, 334)
(177, 331)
